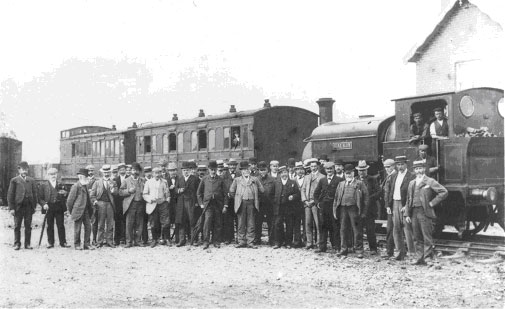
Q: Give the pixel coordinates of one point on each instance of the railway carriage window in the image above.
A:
(194, 141)
(121, 146)
(164, 143)
(140, 142)
(202, 140)
(180, 141)
(235, 138)
(187, 141)
(219, 139)
(501, 108)
(107, 148)
(102, 148)
(172, 142)
(212, 140)
(153, 144)
(245, 140)
(116, 147)
(226, 138)
(147, 144)
(88, 148)
(73, 150)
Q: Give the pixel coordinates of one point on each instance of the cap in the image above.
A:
(253, 160)
(349, 168)
(424, 147)
(401, 159)
(419, 163)
(23, 165)
(339, 162)
(274, 162)
(329, 165)
(388, 162)
(282, 168)
(262, 165)
(299, 164)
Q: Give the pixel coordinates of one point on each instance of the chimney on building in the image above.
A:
(175, 118)
(233, 109)
(267, 103)
(113, 127)
(201, 113)
(134, 125)
(325, 110)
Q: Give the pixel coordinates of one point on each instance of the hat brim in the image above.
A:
(362, 168)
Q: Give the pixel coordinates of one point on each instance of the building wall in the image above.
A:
(466, 54)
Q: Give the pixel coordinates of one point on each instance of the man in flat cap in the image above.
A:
(133, 206)
(102, 198)
(311, 210)
(80, 209)
(389, 172)
(300, 179)
(424, 193)
(244, 190)
(119, 218)
(22, 199)
(253, 166)
(266, 204)
(157, 196)
(351, 202)
(322, 160)
(430, 162)
(186, 188)
(373, 189)
(419, 130)
(274, 169)
(323, 198)
(212, 197)
(52, 196)
(439, 127)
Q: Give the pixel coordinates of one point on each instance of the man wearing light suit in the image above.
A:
(133, 206)
(103, 200)
(79, 207)
(311, 211)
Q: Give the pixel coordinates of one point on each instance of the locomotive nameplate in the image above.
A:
(342, 145)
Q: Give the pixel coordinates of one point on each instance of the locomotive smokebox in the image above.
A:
(325, 110)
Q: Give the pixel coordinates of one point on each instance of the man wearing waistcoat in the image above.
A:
(266, 205)
(22, 199)
(439, 127)
(186, 188)
(424, 193)
(351, 201)
(119, 218)
(390, 171)
(80, 209)
(285, 201)
(157, 195)
(102, 198)
(373, 189)
(133, 206)
(52, 197)
(307, 193)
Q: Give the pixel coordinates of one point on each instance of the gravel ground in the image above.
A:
(229, 277)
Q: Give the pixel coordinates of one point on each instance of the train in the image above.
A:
(11, 150)
(264, 133)
(471, 165)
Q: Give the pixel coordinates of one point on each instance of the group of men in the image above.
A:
(304, 204)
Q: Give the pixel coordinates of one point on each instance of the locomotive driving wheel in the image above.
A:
(482, 221)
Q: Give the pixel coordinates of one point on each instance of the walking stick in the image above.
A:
(199, 225)
(43, 227)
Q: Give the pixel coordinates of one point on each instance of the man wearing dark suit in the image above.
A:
(172, 183)
(148, 174)
(229, 217)
(373, 189)
(351, 201)
(94, 217)
(300, 223)
(119, 218)
(323, 198)
(52, 198)
(212, 197)
(133, 206)
(79, 207)
(396, 202)
(22, 199)
(103, 200)
(266, 205)
(186, 188)
(390, 171)
(286, 198)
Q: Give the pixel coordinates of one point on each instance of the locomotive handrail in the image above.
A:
(337, 138)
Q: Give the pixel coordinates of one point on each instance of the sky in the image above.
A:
(66, 64)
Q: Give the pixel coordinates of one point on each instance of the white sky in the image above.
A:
(292, 52)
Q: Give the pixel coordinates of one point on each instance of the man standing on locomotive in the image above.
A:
(429, 161)
(419, 130)
(439, 127)
(396, 203)
(424, 193)
(373, 196)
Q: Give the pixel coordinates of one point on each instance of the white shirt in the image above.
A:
(274, 175)
(433, 132)
(418, 180)
(300, 181)
(397, 196)
(284, 181)
(53, 183)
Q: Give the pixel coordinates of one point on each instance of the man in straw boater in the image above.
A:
(212, 197)
(323, 197)
(265, 212)
(157, 196)
(286, 196)
(22, 199)
(186, 187)
(244, 190)
(133, 206)
(351, 201)
(102, 198)
(397, 199)
(372, 186)
(52, 195)
(80, 209)
(311, 210)
(424, 193)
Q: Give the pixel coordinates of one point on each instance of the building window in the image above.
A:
(102, 148)
(212, 140)
(117, 147)
(172, 142)
(194, 141)
(73, 150)
(202, 140)
(219, 139)
(226, 138)
(164, 143)
(147, 144)
(153, 144)
(180, 141)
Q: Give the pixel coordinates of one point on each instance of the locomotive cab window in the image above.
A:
(426, 109)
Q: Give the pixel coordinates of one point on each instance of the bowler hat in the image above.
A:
(186, 165)
(23, 165)
(419, 163)
(323, 157)
(424, 147)
(83, 171)
(401, 159)
(417, 115)
(349, 168)
(362, 165)
(339, 162)
(136, 166)
(244, 165)
(291, 162)
(262, 165)
(252, 160)
(192, 164)
(213, 164)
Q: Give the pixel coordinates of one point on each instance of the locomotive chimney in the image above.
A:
(325, 110)
(201, 113)
(233, 109)
(175, 118)
(267, 103)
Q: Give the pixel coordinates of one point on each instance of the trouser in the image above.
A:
(60, 225)
(83, 220)
(265, 214)
(328, 226)
(246, 222)
(228, 219)
(390, 241)
(350, 214)
(188, 221)
(94, 222)
(105, 222)
(311, 217)
(119, 223)
(159, 220)
(293, 224)
(24, 213)
(399, 225)
(135, 222)
(145, 234)
(213, 222)
(422, 227)
(279, 231)
(369, 224)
